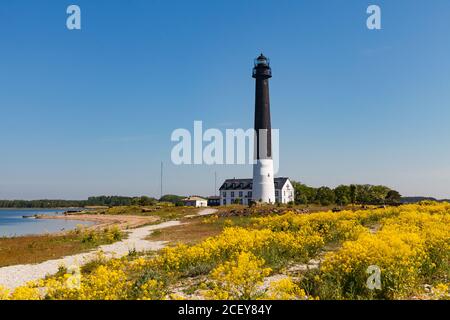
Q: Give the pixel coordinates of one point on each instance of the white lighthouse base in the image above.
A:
(263, 183)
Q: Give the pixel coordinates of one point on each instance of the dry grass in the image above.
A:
(103, 221)
(196, 230)
(189, 233)
(268, 209)
(37, 249)
(163, 212)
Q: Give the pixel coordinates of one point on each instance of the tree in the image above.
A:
(171, 198)
(363, 195)
(353, 193)
(303, 193)
(393, 196)
(378, 194)
(343, 195)
(147, 201)
(325, 196)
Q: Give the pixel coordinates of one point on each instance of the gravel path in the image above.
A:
(207, 212)
(15, 276)
(18, 275)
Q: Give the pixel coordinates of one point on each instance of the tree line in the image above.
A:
(110, 201)
(341, 195)
(345, 195)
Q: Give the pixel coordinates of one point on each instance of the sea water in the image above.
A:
(13, 224)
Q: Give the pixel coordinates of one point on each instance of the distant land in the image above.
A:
(418, 199)
(113, 201)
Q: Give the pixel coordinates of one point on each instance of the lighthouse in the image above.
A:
(263, 189)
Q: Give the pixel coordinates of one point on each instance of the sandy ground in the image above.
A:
(102, 221)
(15, 276)
(203, 212)
(207, 212)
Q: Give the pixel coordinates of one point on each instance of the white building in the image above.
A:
(195, 201)
(241, 191)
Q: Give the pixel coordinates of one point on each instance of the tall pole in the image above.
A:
(161, 179)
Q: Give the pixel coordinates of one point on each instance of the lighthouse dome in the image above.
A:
(262, 68)
(262, 61)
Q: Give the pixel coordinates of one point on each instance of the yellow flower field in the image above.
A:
(410, 245)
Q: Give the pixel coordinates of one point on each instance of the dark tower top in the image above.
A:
(262, 73)
(262, 68)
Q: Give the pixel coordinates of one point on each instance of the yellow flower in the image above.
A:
(284, 289)
(4, 293)
(26, 293)
(239, 278)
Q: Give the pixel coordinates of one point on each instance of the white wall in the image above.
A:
(230, 200)
(285, 195)
(202, 203)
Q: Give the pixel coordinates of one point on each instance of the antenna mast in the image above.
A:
(215, 183)
(161, 179)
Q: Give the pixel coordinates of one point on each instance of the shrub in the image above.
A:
(284, 289)
(238, 279)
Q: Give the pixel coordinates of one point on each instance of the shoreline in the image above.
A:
(99, 222)
(123, 222)
(56, 208)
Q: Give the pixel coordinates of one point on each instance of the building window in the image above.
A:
(276, 193)
(224, 194)
(241, 194)
(232, 194)
(249, 194)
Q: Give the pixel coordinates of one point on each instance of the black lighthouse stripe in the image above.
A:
(263, 129)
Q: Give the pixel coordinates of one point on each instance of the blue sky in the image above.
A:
(91, 112)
